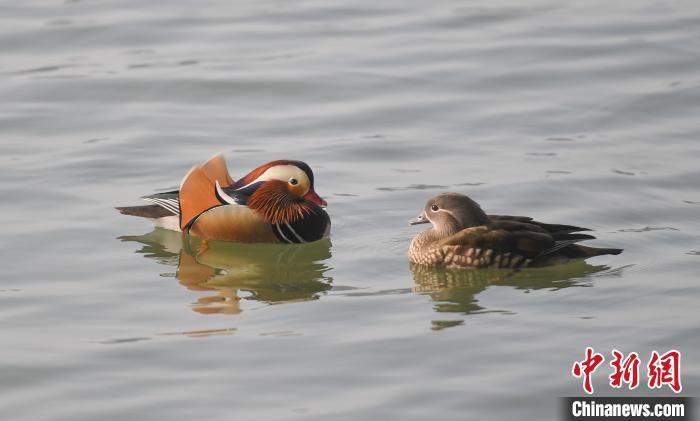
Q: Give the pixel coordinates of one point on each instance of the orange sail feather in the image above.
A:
(197, 195)
(215, 168)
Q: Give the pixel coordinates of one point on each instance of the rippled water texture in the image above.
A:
(583, 114)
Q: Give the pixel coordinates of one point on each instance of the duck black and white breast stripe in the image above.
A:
(286, 234)
(312, 227)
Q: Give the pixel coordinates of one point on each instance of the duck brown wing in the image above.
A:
(511, 244)
(552, 228)
(508, 236)
(563, 235)
(505, 243)
(560, 233)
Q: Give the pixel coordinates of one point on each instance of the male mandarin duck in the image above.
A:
(274, 203)
(463, 236)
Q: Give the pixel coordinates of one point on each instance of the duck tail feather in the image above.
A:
(586, 251)
(560, 228)
(560, 245)
(146, 211)
(173, 194)
(563, 236)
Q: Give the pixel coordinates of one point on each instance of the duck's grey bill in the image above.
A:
(420, 219)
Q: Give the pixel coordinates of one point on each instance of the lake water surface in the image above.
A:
(586, 114)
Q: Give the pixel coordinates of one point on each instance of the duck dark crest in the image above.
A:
(463, 235)
(273, 203)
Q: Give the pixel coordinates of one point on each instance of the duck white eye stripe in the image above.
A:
(295, 234)
(262, 177)
(279, 172)
(284, 237)
(447, 211)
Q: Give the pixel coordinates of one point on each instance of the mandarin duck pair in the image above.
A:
(277, 203)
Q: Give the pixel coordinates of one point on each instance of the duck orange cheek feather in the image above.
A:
(312, 197)
(273, 203)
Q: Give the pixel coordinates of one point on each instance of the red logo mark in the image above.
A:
(665, 369)
(626, 370)
(587, 367)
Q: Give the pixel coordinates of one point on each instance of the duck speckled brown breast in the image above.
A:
(463, 236)
(464, 255)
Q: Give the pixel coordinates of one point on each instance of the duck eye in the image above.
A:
(293, 181)
(434, 207)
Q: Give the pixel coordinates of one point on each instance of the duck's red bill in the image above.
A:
(311, 196)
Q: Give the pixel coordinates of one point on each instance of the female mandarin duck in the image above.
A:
(274, 203)
(463, 236)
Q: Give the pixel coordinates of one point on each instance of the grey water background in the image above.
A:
(583, 113)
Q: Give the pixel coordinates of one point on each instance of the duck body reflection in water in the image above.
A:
(455, 290)
(269, 273)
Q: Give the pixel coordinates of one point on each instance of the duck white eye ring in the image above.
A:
(434, 207)
(293, 181)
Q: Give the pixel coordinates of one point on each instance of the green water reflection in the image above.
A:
(455, 290)
(232, 272)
